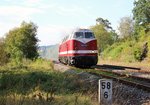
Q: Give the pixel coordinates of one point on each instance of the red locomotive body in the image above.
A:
(79, 49)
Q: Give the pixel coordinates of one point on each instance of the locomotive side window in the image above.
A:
(78, 35)
(89, 35)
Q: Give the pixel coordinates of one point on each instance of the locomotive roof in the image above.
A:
(82, 30)
(76, 30)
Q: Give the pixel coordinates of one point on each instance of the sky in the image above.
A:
(56, 18)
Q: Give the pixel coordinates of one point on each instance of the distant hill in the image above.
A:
(49, 52)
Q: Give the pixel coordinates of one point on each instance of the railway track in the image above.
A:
(125, 75)
(134, 81)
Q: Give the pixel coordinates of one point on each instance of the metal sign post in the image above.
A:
(105, 92)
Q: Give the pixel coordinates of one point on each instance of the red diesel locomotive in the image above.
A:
(79, 49)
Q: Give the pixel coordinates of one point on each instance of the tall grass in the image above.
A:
(36, 83)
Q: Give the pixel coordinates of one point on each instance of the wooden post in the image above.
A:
(105, 92)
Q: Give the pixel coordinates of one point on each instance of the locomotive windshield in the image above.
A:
(84, 35)
(89, 35)
(79, 35)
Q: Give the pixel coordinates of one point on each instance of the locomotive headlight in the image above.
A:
(92, 51)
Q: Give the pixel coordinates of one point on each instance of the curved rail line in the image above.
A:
(125, 75)
(136, 82)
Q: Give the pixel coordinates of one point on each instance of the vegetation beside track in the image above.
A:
(131, 43)
(36, 83)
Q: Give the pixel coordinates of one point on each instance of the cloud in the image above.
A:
(64, 10)
(71, 11)
(18, 11)
(12, 16)
(5, 27)
(22, 1)
(33, 1)
(51, 34)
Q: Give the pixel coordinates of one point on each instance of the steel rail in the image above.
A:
(122, 78)
(126, 75)
(127, 82)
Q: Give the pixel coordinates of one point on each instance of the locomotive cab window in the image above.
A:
(89, 35)
(78, 35)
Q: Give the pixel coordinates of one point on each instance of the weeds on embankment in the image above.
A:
(36, 83)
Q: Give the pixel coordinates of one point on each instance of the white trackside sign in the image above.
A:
(105, 92)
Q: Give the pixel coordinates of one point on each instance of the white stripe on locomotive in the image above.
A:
(79, 52)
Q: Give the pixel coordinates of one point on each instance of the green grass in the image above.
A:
(36, 83)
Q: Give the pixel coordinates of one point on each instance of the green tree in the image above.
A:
(3, 54)
(104, 22)
(21, 42)
(104, 34)
(126, 27)
(141, 13)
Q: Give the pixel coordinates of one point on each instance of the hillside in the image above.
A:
(129, 51)
(49, 52)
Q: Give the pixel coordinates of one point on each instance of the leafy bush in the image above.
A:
(137, 54)
(113, 51)
(3, 54)
(21, 42)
